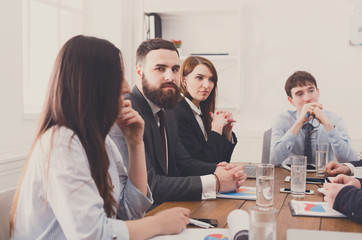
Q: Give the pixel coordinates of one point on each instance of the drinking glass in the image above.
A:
(264, 184)
(321, 157)
(298, 172)
(262, 223)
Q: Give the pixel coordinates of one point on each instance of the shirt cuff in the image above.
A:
(351, 167)
(208, 187)
(138, 203)
(119, 228)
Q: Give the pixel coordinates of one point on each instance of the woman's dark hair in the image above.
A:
(83, 95)
(209, 104)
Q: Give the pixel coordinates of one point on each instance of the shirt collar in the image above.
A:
(193, 106)
(155, 109)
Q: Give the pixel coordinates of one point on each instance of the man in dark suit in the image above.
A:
(173, 175)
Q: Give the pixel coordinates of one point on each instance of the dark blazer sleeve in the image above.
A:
(216, 149)
(357, 163)
(185, 163)
(168, 188)
(349, 202)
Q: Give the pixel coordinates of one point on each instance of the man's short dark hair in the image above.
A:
(153, 44)
(299, 78)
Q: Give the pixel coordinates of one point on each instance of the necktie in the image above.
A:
(307, 129)
(161, 118)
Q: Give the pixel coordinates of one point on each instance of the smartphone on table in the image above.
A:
(310, 180)
(287, 190)
(310, 167)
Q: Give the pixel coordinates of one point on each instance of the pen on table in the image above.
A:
(200, 224)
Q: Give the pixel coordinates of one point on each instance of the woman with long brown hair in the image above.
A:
(74, 183)
(206, 135)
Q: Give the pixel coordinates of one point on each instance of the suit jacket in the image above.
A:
(349, 202)
(216, 149)
(182, 180)
(357, 163)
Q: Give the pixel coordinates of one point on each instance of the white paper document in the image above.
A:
(317, 209)
(301, 234)
(238, 221)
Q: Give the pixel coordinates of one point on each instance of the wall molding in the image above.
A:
(10, 171)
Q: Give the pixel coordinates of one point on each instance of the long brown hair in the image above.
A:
(209, 104)
(83, 95)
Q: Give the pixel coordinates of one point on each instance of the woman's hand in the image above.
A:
(169, 221)
(130, 123)
(220, 120)
(228, 128)
(172, 221)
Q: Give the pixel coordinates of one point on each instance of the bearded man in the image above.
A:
(173, 175)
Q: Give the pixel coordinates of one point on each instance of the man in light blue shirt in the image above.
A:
(288, 129)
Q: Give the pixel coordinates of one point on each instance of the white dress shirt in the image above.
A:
(284, 142)
(60, 200)
(197, 113)
(208, 181)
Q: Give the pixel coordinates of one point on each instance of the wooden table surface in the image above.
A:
(220, 208)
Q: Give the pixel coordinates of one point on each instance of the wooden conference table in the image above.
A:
(220, 208)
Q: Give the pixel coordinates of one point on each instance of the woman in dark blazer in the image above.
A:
(206, 135)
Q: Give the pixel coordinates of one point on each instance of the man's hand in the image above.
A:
(308, 108)
(347, 180)
(333, 169)
(230, 176)
(331, 191)
(321, 116)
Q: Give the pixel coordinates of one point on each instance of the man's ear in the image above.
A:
(139, 71)
(290, 99)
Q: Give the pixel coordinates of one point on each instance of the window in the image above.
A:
(47, 25)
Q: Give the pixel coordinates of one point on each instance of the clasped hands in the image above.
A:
(231, 176)
(222, 123)
(332, 189)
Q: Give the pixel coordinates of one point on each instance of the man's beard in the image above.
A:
(166, 99)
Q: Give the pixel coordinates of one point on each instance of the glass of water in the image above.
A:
(321, 157)
(264, 185)
(298, 172)
(262, 223)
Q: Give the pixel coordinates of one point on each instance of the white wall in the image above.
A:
(16, 133)
(282, 36)
(106, 19)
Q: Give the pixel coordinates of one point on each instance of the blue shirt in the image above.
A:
(284, 142)
(59, 198)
